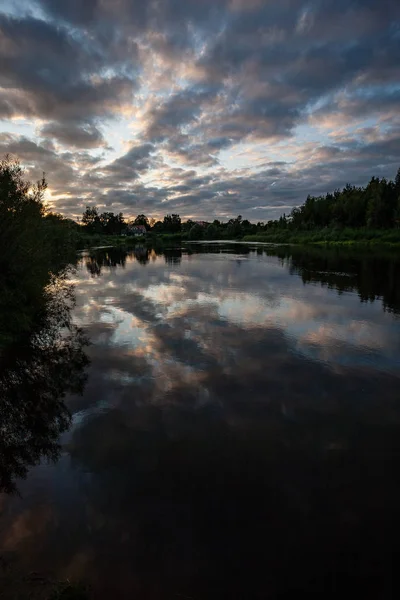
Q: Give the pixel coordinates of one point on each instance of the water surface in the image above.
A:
(239, 434)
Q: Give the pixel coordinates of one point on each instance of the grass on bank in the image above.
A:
(340, 237)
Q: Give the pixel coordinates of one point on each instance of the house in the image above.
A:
(136, 230)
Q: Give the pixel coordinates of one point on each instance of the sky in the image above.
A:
(205, 108)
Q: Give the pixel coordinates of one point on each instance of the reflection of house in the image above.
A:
(136, 230)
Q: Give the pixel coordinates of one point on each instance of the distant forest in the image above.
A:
(375, 207)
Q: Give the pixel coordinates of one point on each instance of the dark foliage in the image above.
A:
(41, 352)
(106, 222)
(375, 206)
(33, 244)
(35, 375)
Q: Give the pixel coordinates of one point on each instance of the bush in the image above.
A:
(196, 232)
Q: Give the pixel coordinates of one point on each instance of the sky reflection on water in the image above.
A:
(238, 435)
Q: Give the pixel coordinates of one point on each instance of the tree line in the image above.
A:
(375, 206)
(116, 224)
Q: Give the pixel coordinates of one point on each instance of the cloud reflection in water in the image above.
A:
(238, 436)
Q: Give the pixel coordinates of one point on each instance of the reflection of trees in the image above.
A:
(371, 275)
(110, 258)
(35, 375)
(284, 480)
(173, 256)
(142, 254)
(216, 248)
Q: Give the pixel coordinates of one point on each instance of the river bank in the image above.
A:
(332, 237)
(324, 237)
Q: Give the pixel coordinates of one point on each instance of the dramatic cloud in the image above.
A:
(74, 135)
(209, 108)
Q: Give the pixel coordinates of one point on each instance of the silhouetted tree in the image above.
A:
(142, 220)
(397, 182)
(91, 219)
(112, 224)
(32, 243)
(172, 223)
(234, 227)
(158, 227)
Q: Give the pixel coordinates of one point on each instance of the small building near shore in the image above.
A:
(136, 230)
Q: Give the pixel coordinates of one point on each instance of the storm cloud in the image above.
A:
(210, 109)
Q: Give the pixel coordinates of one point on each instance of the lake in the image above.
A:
(239, 431)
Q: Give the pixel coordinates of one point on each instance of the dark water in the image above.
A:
(239, 433)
